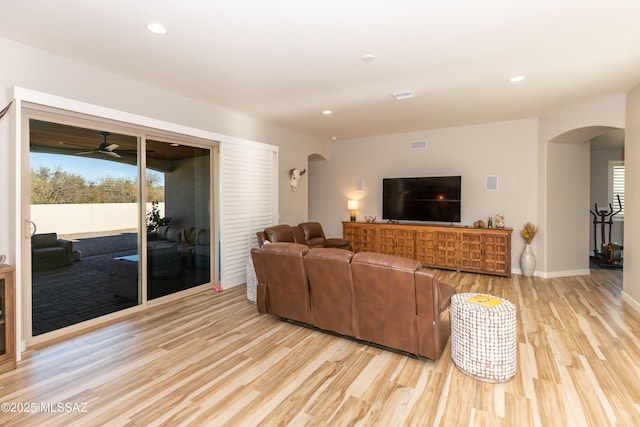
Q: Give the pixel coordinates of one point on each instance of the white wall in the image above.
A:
(568, 214)
(506, 149)
(33, 69)
(631, 275)
(87, 217)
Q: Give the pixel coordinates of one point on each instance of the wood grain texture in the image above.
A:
(211, 359)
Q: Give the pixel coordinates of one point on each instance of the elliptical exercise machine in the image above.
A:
(610, 254)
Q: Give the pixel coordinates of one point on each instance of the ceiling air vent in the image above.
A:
(419, 145)
(403, 94)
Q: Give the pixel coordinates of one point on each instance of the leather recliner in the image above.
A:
(314, 237)
(282, 289)
(281, 233)
(400, 304)
(331, 290)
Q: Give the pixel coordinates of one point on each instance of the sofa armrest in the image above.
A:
(432, 297)
(66, 244)
(432, 303)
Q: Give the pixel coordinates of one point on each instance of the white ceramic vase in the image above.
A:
(527, 261)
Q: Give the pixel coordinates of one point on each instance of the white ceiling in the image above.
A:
(285, 61)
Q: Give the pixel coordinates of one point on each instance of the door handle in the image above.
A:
(27, 229)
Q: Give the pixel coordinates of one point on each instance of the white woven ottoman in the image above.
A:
(483, 336)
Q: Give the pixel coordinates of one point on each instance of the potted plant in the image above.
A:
(154, 220)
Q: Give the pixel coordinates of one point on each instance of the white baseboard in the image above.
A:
(554, 274)
(567, 273)
(633, 303)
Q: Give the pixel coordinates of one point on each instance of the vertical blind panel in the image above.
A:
(247, 197)
(618, 186)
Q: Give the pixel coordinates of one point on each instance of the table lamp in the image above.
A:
(352, 205)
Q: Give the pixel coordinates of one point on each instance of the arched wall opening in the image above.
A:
(569, 196)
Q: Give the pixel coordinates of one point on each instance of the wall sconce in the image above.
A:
(352, 205)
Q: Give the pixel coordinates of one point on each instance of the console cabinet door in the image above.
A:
(446, 250)
(394, 240)
(497, 254)
(361, 236)
(406, 243)
(7, 318)
(426, 247)
(471, 252)
(386, 240)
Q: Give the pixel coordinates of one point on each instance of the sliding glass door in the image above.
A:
(178, 217)
(84, 212)
(85, 223)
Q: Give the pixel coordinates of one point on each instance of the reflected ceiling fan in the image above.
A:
(104, 148)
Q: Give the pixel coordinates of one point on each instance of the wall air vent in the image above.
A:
(418, 145)
(403, 94)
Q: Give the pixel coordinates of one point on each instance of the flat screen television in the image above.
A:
(422, 199)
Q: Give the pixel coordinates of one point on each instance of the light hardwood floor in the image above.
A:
(211, 359)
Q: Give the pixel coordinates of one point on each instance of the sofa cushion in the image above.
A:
(279, 233)
(188, 236)
(173, 234)
(203, 237)
(162, 231)
(286, 248)
(51, 250)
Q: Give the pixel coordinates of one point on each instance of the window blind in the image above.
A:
(248, 203)
(617, 186)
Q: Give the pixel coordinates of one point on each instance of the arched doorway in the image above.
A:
(569, 196)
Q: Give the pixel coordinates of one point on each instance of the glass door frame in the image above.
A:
(27, 278)
(27, 112)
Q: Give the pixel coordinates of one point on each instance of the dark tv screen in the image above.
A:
(422, 199)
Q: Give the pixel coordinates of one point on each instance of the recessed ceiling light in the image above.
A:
(173, 144)
(516, 79)
(368, 58)
(327, 112)
(156, 28)
(333, 138)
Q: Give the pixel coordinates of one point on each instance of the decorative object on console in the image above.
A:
(499, 220)
(370, 218)
(352, 206)
(528, 259)
(294, 176)
(479, 224)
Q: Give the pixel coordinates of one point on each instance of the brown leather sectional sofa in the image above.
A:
(306, 233)
(381, 299)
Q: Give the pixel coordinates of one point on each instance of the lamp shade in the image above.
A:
(352, 205)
